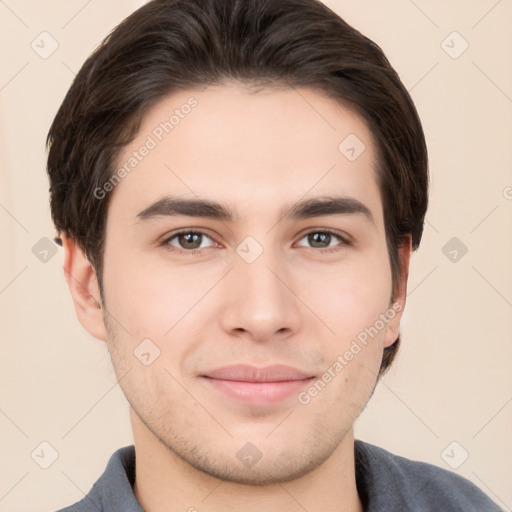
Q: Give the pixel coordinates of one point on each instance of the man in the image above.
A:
(238, 186)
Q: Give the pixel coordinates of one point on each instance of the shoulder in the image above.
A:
(113, 490)
(387, 479)
(84, 505)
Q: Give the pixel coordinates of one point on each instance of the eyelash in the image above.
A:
(165, 243)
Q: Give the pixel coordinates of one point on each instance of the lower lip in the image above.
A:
(258, 393)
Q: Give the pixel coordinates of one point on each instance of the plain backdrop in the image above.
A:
(447, 399)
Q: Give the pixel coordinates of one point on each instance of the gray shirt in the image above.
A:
(385, 483)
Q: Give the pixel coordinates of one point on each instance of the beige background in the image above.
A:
(452, 380)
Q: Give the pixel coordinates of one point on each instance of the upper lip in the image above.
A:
(248, 373)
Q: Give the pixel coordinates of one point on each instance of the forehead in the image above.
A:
(245, 147)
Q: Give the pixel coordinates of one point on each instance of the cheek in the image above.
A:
(168, 305)
(358, 380)
(350, 299)
(149, 298)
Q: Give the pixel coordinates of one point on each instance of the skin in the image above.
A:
(255, 152)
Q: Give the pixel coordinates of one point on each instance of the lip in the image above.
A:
(257, 386)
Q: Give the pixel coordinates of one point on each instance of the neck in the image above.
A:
(163, 479)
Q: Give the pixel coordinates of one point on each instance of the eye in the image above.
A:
(325, 239)
(189, 241)
(193, 241)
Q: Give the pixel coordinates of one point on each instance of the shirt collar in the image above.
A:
(114, 489)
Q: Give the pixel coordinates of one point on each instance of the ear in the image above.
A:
(397, 306)
(83, 285)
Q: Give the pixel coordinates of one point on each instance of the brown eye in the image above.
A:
(324, 239)
(319, 240)
(188, 240)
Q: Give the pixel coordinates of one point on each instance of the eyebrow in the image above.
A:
(172, 206)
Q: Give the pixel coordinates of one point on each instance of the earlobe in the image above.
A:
(397, 306)
(83, 285)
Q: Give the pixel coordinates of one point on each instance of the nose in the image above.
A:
(260, 301)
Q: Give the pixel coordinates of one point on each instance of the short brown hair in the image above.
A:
(170, 45)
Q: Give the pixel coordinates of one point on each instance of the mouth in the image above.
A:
(257, 386)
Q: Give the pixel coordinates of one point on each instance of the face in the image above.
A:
(247, 329)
